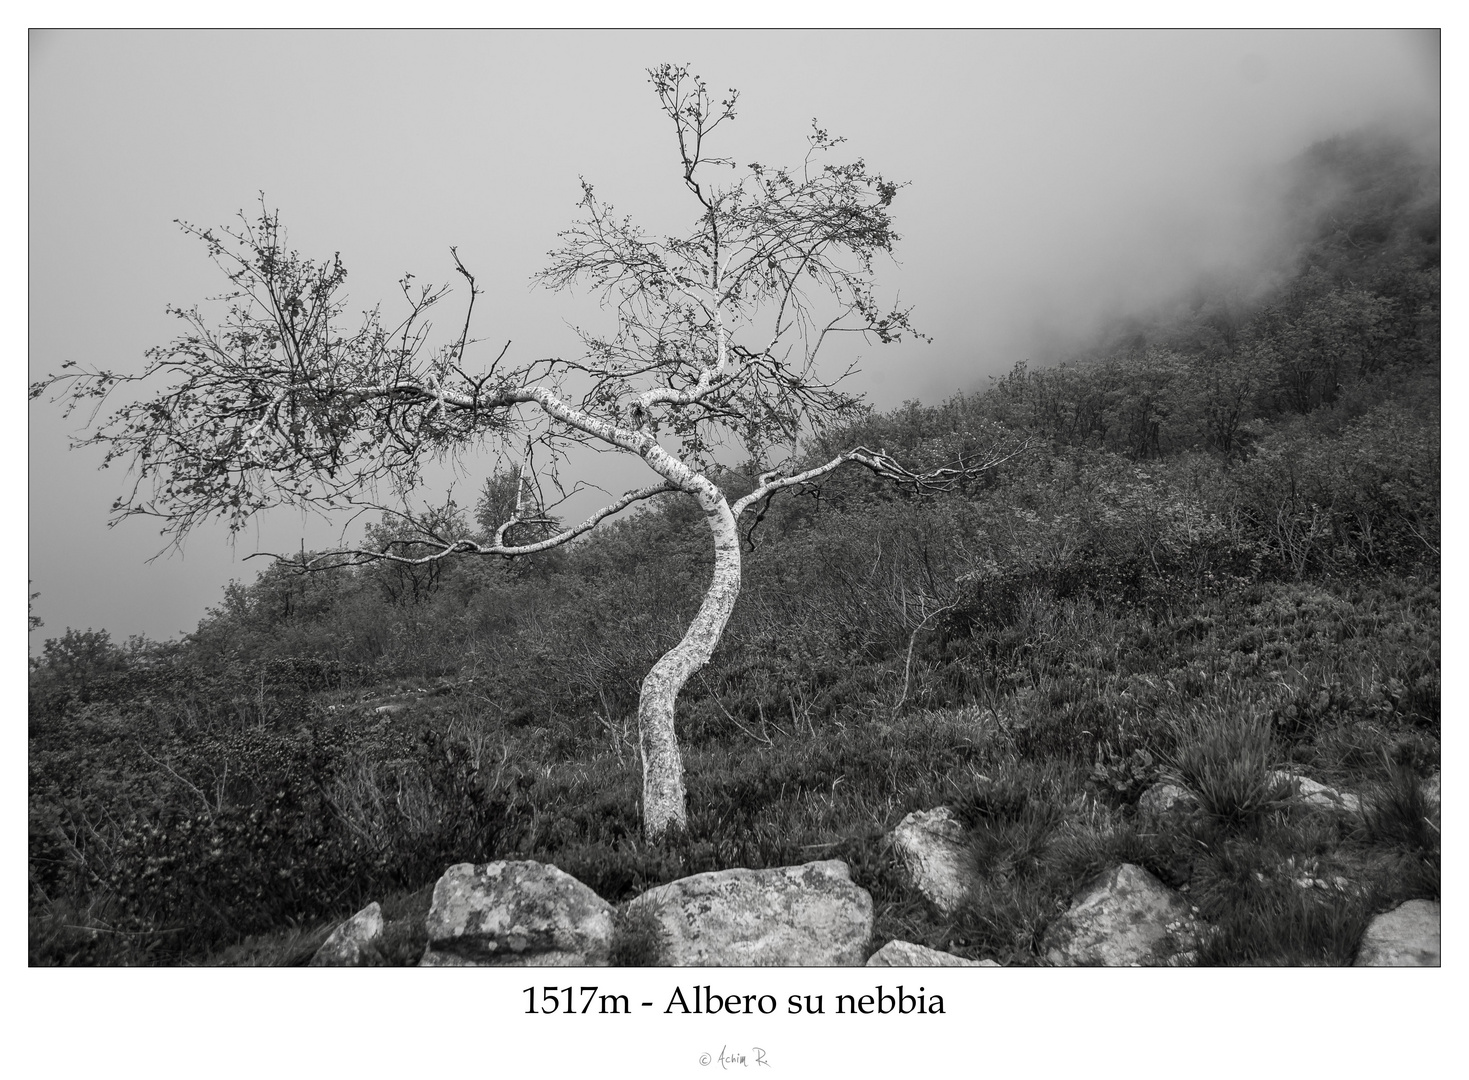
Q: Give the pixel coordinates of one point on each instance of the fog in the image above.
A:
(1057, 180)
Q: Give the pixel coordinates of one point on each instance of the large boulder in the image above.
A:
(930, 846)
(1124, 918)
(351, 944)
(907, 954)
(516, 914)
(1406, 936)
(789, 916)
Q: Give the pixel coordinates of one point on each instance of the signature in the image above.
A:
(727, 1057)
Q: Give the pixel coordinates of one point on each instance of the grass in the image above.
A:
(1226, 757)
(401, 944)
(1042, 758)
(1399, 813)
(638, 938)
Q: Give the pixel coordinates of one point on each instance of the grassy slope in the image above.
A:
(1132, 599)
(1326, 673)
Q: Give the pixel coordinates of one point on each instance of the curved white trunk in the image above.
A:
(663, 789)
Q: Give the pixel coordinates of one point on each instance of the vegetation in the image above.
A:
(1219, 561)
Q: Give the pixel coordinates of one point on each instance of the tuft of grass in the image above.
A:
(405, 934)
(290, 947)
(1289, 895)
(1401, 824)
(63, 934)
(1399, 814)
(1013, 812)
(1226, 757)
(1278, 923)
(638, 938)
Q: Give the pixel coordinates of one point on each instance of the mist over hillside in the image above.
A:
(1326, 208)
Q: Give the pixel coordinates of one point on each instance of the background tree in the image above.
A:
(713, 349)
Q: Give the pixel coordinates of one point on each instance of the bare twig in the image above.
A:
(908, 663)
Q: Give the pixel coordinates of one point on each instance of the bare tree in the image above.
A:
(713, 348)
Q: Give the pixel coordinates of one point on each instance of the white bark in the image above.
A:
(664, 803)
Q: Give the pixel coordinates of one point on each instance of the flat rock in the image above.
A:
(789, 916)
(516, 914)
(1166, 798)
(930, 846)
(907, 954)
(1319, 795)
(1124, 918)
(350, 944)
(1406, 936)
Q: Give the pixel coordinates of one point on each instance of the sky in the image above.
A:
(1056, 179)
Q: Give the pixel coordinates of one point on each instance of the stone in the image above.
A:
(789, 916)
(1125, 917)
(930, 846)
(907, 954)
(516, 914)
(1306, 873)
(1406, 936)
(1166, 798)
(1433, 789)
(1319, 795)
(351, 943)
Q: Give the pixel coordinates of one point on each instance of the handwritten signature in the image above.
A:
(727, 1057)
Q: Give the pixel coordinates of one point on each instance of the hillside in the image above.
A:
(1218, 558)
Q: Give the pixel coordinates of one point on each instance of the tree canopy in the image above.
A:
(714, 349)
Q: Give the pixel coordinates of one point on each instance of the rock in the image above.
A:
(1318, 795)
(930, 845)
(351, 943)
(906, 954)
(789, 916)
(1433, 789)
(1166, 798)
(1406, 936)
(516, 914)
(1306, 873)
(1124, 918)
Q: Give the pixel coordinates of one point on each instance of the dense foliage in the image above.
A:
(1221, 557)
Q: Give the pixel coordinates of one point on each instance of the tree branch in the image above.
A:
(881, 464)
(332, 560)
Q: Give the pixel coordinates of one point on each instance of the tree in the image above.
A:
(714, 342)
